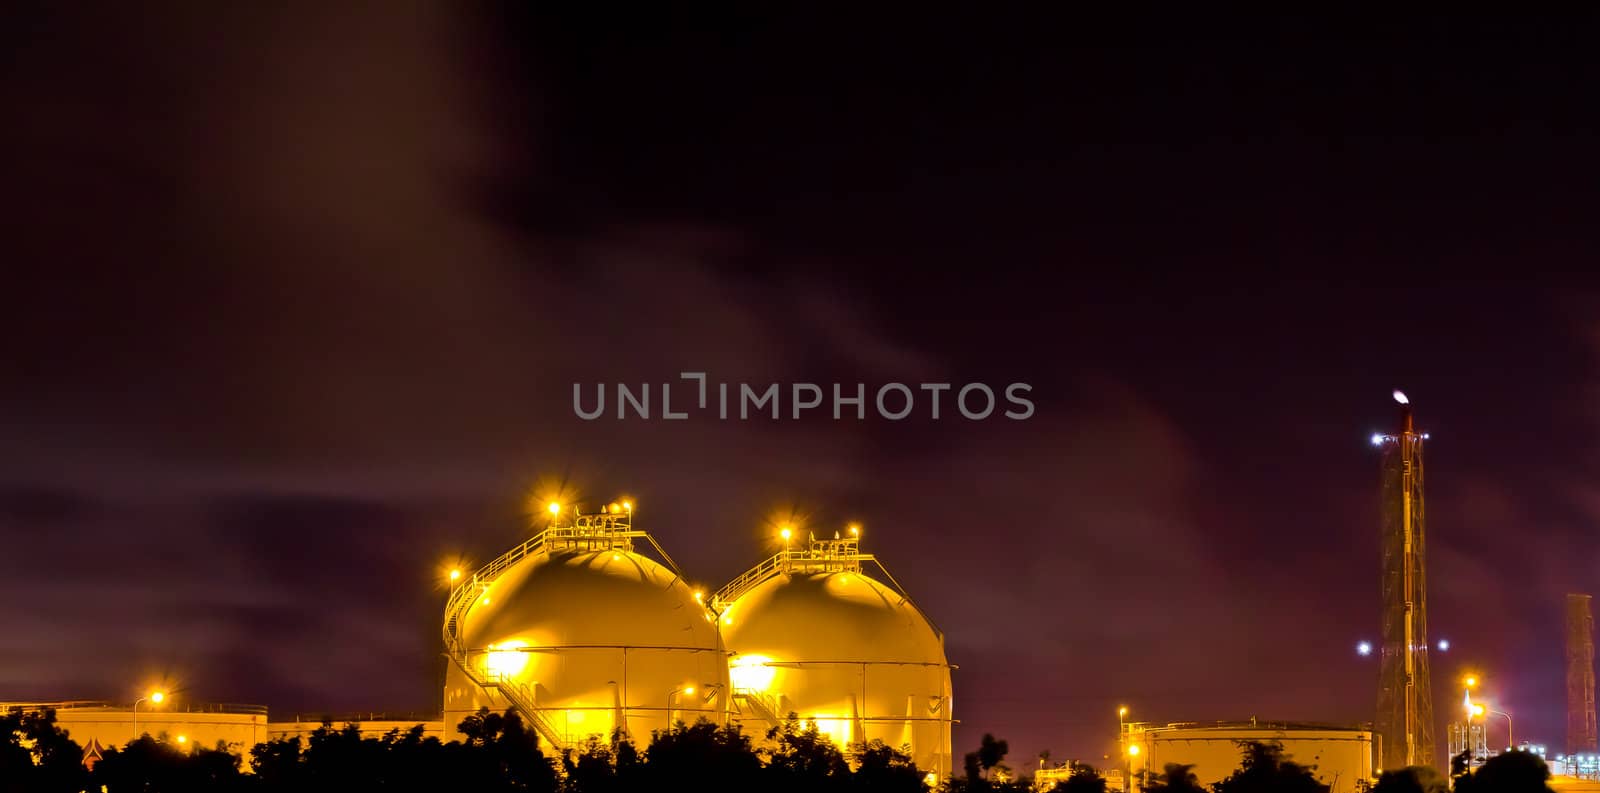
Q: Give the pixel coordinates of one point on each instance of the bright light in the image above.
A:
(1363, 648)
(855, 530)
(785, 533)
(1400, 396)
(1477, 710)
(455, 575)
(1122, 711)
(1444, 644)
(1133, 749)
(688, 691)
(157, 696)
(699, 596)
(183, 739)
(554, 507)
(627, 505)
(751, 673)
(1377, 439)
(506, 661)
(930, 779)
(1470, 681)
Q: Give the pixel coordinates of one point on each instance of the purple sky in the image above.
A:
(295, 298)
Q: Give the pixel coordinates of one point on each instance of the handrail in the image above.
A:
(520, 698)
(602, 532)
(228, 708)
(758, 703)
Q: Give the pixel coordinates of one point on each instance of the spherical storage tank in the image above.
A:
(582, 634)
(810, 633)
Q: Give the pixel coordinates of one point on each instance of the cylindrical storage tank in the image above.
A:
(594, 637)
(845, 650)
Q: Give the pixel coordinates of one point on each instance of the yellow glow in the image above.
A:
(183, 739)
(157, 696)
(1122, 711)
(616, 556)
(508, 660)
(855, 530)
(1477, 710)
(785, 533)
(699, 596)
(688, 691)
(930, 779)
(1133, 749)
(751, 673)
(1471, 681)
(835, 727)
(455, 575)
(627, 505)
(554, 507)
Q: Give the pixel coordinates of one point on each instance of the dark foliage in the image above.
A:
(1509, 772)
(1264, 768)
(1416, 779)
(1174, 778)
(1083, 779)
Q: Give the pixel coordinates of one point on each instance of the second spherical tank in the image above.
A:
(829, 643)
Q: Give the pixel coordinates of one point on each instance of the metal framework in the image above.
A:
(603, 532)
(1581, 733)
(1462, 736)
(1405, 695)
(838, 555)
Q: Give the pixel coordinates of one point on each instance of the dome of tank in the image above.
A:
(597, 637)
(846, 650)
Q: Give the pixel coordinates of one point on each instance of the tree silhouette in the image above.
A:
(1082, 779)
(803, 759)
(1174, 778)
(702, 757)
(1414, 779)
(881, 768)
(36, 755)
(1264, 768)
(991, 751)
(1508, 772)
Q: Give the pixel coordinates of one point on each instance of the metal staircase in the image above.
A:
(759, 705)
(603, 532)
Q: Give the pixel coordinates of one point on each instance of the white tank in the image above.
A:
(583, 635)
(810, 633)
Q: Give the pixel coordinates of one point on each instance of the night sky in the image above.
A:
(294, 298)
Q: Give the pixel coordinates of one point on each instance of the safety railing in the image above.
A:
(589, 532)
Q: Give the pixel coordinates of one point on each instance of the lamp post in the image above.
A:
(155, 698)
(1122, 748)
(1511, 738)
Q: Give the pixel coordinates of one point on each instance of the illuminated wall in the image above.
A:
(1342, 756)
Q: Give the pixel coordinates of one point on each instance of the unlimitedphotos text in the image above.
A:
(892, 401)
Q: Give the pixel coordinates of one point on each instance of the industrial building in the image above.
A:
(585, 636)
(1342, 755)
(98, 725)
